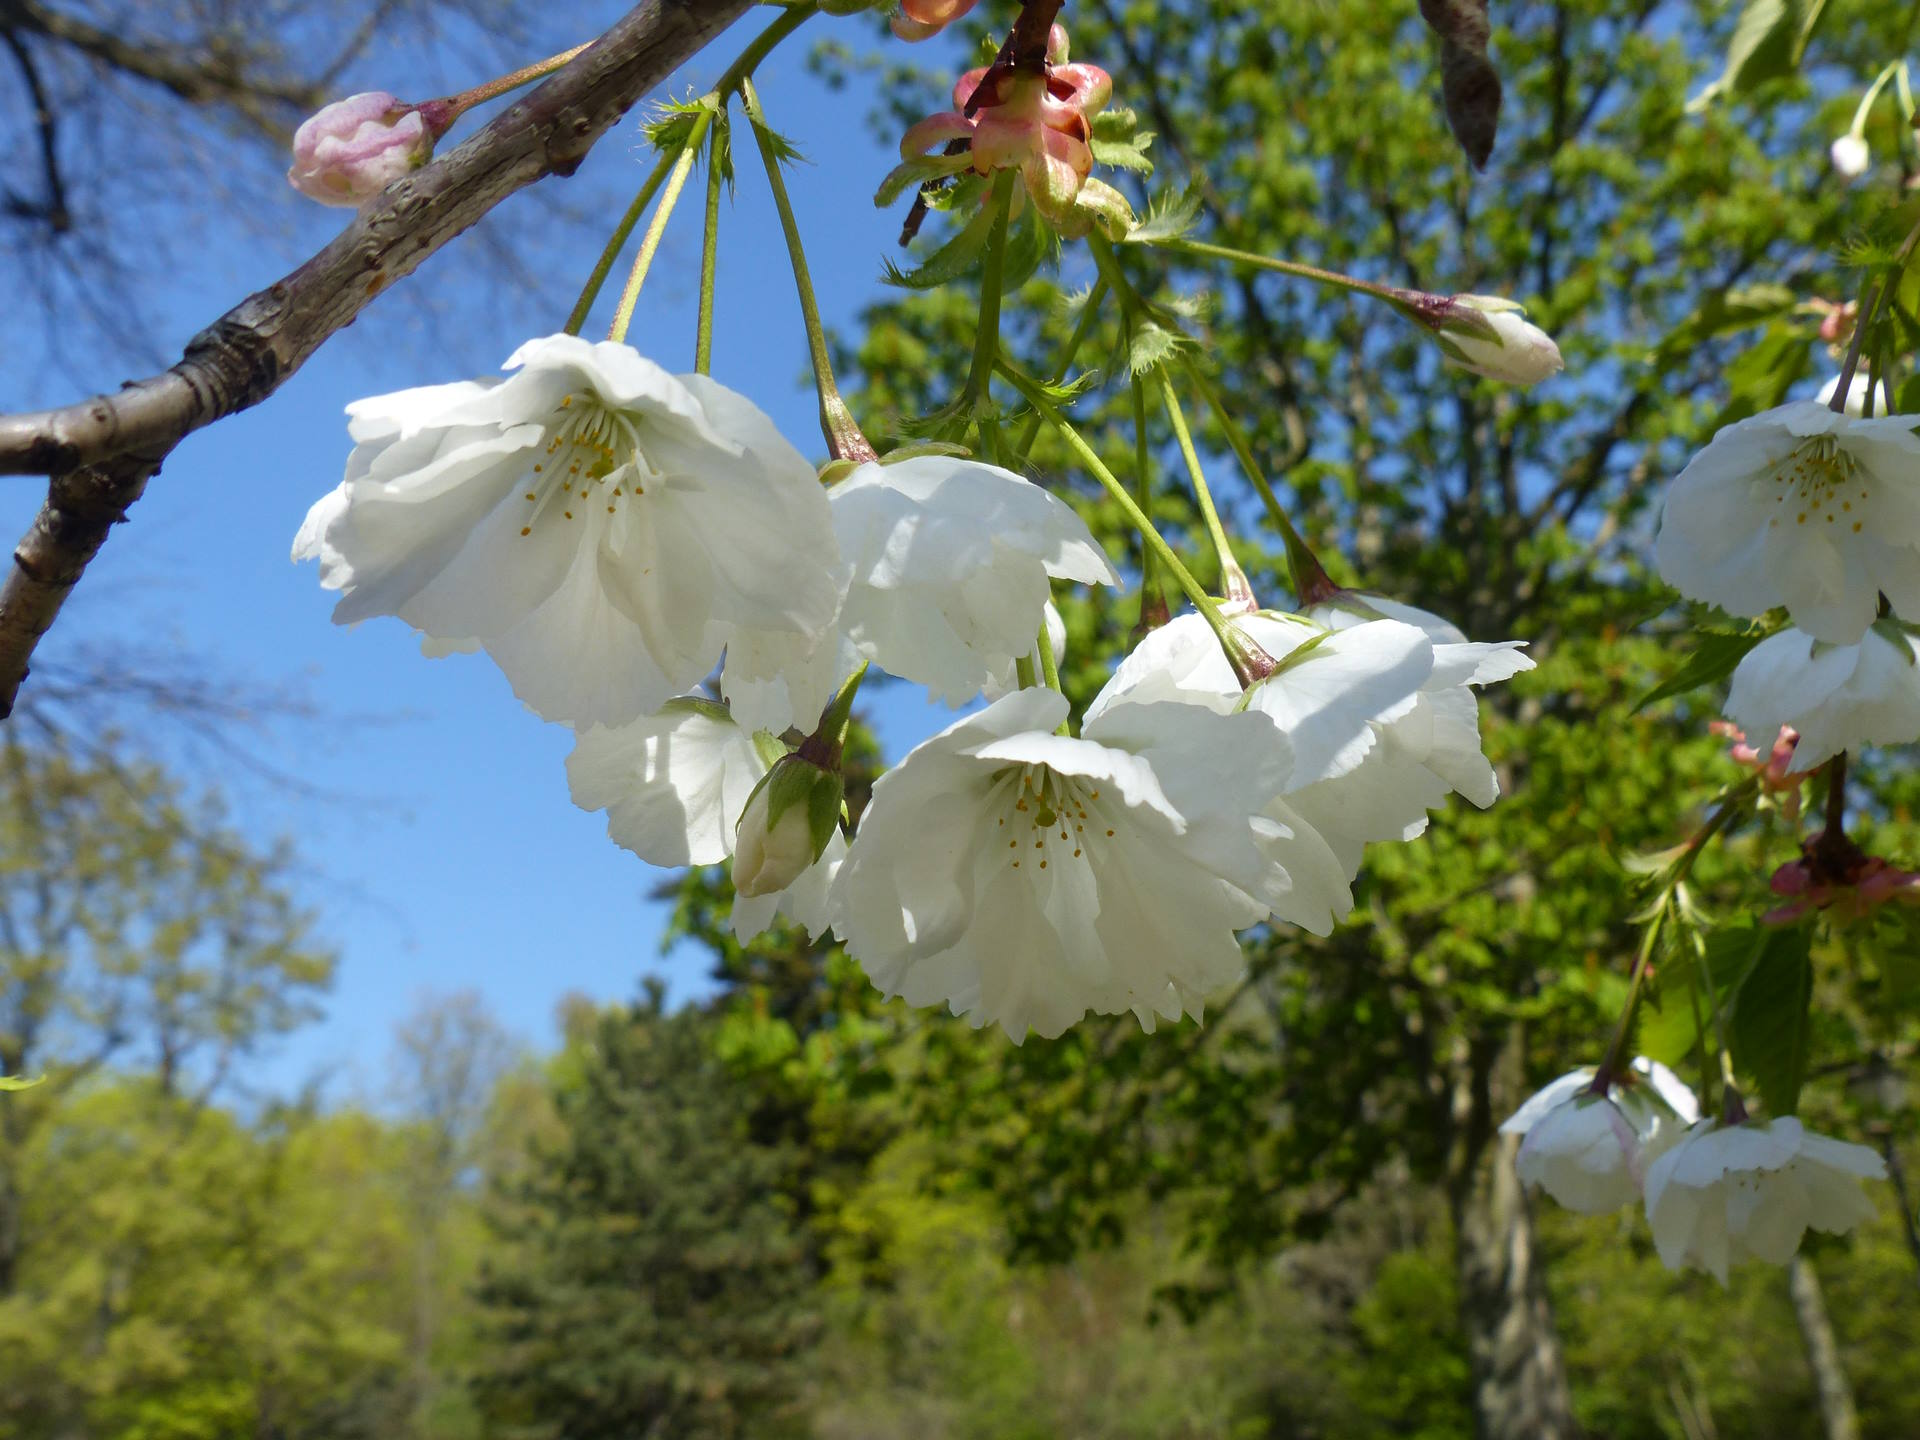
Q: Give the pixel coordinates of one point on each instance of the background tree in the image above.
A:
(1408, 1037)
(662, 1284)
(130, 934)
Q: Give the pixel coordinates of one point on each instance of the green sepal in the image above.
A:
(796, 781)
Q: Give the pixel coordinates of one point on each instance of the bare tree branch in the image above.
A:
(99, 455)
(53, 209)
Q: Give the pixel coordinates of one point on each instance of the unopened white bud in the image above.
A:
(1850, 156)
(1517, 351)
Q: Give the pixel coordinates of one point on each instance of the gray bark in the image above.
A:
(1519, 1376)
(1838, 1419)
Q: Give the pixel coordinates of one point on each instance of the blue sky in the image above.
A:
(438, 845)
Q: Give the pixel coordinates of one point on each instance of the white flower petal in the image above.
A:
(1838, 697)
(673, 784)
(1025, 877)
(1801, 507)
(1731, 1192)
(600, 525)
(950, 566)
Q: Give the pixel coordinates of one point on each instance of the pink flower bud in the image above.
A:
(1772, 766)
(920, 19)
(354, 148)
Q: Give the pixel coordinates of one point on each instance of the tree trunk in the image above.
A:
(1837, 1418)
(1519, 1378)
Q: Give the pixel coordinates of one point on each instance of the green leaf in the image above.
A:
(1028, 244)
(19, 1082)
(673, 126)
(911, 174)
(1723, 313)
(1168, 218)
(1764, 45)
(1712, 660)
(1119, 141)
(1151, 345)
(950, 261)
(1677, 1012)
(1773, 1016)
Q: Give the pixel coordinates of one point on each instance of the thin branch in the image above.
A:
(54, 211)
(100, 454)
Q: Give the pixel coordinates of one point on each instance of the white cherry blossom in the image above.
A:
(951, 559)
(1804, 508)
(674, 786)
(1591, 1151)
(1381, 719)
(1424, 753)
(1838, 697)
(1024, 878)
(600, 527)
(773, 680)
(1727, 1193)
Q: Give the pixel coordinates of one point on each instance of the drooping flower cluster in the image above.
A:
(610, 533)
(1715, 1193)
(1817, 511)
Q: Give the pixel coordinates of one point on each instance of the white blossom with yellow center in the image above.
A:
(600, 527)
(1804, 508)
(1025, 878)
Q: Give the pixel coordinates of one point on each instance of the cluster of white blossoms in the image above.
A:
(611, 534)
(1816, 511)
(1715, 1193)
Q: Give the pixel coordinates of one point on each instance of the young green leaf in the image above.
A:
(1771, 1021)
(1712, 660)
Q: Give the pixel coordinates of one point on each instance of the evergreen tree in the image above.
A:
(662, 1284)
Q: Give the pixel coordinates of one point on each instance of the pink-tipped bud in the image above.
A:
(920, 19)
(1773, 766)
(354, 148)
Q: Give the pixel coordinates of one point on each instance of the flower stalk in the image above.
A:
(844, 438)
(617, 242)
(1233, 580)
(440, 115)
(1310, 578)
(1083, 327)
(986, 338)
(710, 248)
(1671, 879)
(657, 227)
(1250, 663)
(1153, 598)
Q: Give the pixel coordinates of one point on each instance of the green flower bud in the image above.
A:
(789, 818)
